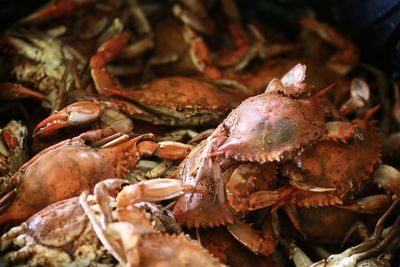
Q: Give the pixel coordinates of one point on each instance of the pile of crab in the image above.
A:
(214, 147)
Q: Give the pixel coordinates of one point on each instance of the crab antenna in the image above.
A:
(323, 92)
(371, 112)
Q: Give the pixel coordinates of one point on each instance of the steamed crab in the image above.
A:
(238, 162)
(173, 101)
(42, 60)
(283, 122)
(81, 166)
(51, 57)
(58, 235)
(345, 168)
(64, 233)
(129, 235)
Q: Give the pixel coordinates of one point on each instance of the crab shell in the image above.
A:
(271, 127)
(345, 167)
(65, 170)
(57, 235)
(181, 101)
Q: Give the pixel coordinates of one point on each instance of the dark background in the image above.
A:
(373, 24)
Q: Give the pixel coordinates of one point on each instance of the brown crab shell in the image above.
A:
(180, 93)
(346, 167)
(270, 127)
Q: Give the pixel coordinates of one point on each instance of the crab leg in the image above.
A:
(110, 50)
(9, 91)
(264, 244)
(7, 238)
(166, 150)
(56, 10)
(372, 246)
(360, 228)
(369, 205)
(17, 256)
(118, 46)
(144, 28)
(195, 15)
(74, 114)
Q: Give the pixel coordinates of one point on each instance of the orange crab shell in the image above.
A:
(346, 167)
(270, 127)
(79, 167)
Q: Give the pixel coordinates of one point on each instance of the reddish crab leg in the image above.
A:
(10, 91)
(107, 52)
(56, 10)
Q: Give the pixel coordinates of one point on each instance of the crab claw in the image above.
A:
(74, 114)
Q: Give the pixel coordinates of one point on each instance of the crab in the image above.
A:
(129, 235)
(169, 101)
(342, 167)
(53, 59)
(238, 162)
(248, 187)
(345, 168)
(13, 152)
(42, 61)
(58, 235)
(376, 250)
(81, 166)
(11, 91)
(173, 101)
(282, 124)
